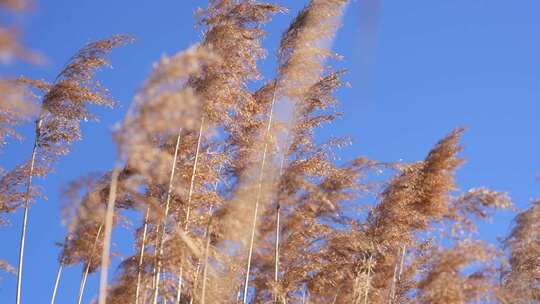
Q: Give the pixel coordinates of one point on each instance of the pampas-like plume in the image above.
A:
(416, 198)
(306, 45)
(520, 278)
(412, 202)
(165, 98)
(444, 281)
(309, 168)
(85, 202)
(298, 43)
(62, 109)
(233, 34)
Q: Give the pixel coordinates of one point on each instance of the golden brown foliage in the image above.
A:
(520, 280)
(239, 198)
(445, 281)
(63, 107)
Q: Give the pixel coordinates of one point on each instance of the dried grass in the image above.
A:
(240, 203)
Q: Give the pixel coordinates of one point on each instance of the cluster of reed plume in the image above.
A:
(238, 200)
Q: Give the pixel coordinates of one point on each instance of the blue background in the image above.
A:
(417, 69)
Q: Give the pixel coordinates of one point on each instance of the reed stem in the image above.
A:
(57, 282)
(190, 196)
(87, 268)
(258, 197)
(368, 280)
(205, 267)
(166, 214)
(109, 217)
(27, 197)
(141, 256)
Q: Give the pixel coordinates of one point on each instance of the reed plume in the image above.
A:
(11, 47)
(63, 107)
(295, 45)
(520, 277)
(166, 97)
(445, 281)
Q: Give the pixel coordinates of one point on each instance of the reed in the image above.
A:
(237, 197)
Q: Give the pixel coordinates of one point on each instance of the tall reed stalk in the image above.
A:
(62, 109)
(205, 267)
(207, 234)
(141, 256)
(105, 255)
(57, 282)
(276, 244)
(368, 279)
(258, 195)
(190, 196)
(87, 268)
(26, 206)
(165, 215)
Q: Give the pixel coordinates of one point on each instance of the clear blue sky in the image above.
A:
(417, 69)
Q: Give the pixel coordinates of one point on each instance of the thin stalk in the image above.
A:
(26, 206)
(180, 282)
(336, 296)
(190, 196)
(205, 268)
(259, 190)
(57, 282)
(145, 292)
(402, 262)
(393, 286)
(167, 205)
(356, 293)
(156, 257)
(141, 256)
(87, 268)
(397, 275)
(276, 253)
(368, 278)
(206, 235)
(109, 217)
(194, 170)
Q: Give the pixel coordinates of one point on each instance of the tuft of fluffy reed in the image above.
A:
(10, 46)
(445, 280)
(520, 277)
(62, 109)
